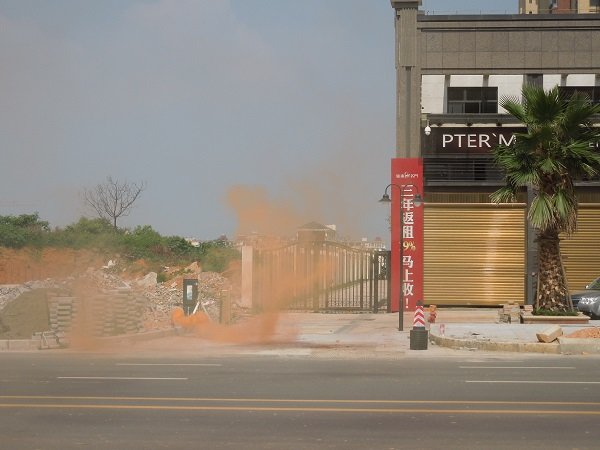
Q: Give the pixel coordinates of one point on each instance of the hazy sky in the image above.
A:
(226, 109)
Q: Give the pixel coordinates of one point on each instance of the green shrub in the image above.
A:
(161, 277)
(19, 231)
(143, 242)
(551, 312)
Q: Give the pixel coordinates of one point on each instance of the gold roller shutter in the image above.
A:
(580, 252)
(474, 254)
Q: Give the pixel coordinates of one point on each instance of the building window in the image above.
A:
(593, 92)
(472, 100)
(535, 79)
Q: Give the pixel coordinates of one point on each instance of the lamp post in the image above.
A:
(417, 201)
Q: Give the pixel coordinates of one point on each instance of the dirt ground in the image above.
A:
(20, 266)
(585, 333)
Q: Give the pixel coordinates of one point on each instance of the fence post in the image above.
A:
(247, 276)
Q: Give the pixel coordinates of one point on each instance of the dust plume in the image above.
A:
(261, 329)
(257, 213)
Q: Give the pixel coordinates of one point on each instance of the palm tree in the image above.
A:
(549, 158)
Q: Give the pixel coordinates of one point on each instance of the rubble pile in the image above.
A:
(157, 299)
(162, 298)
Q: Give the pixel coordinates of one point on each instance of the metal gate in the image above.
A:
(321, 276)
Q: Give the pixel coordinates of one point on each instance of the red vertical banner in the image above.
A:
(407, 233)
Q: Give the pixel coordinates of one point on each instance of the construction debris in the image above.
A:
(550, 334)
(118, 303)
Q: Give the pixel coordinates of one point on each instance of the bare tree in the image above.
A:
(113, 199)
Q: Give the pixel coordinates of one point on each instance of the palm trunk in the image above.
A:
(552, 291)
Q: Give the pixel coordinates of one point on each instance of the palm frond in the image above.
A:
(565, 208)
(550, 165)
(505, 194)
(541, 215)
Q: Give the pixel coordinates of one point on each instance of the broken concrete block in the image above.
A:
(149, 280)
(550, 334)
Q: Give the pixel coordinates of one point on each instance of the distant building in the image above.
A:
(315, 232)
(365, 244)
(193, 242)
(559, 6)
(258, 240)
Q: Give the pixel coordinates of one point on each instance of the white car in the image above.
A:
(588, 300)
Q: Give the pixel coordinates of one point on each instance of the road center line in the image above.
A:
(298, 400)
(123, 378)
(303, 409)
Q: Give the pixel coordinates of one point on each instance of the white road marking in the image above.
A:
(532, 382)
(121, 378)
(515, 367)
(169, 364)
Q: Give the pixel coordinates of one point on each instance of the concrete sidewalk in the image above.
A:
(376, 335)
(353, 335)
(467, 329)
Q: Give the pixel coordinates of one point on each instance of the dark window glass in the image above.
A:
(593, 92)
(456, 94)
(475, 93)
(472, 108)
(461, 170)
(456, 108)
(472, 100)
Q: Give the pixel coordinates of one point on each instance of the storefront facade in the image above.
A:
(452, 73)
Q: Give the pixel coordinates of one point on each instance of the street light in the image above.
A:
(417, 201)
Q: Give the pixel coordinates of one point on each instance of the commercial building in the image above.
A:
(559, 6)
(452, 72)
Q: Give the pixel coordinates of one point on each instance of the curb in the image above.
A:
(487, 345)
(137, 337)
(577, 346)
(19, 345)
(564, 346)
(22, 345)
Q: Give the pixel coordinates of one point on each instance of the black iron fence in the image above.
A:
(321, 276)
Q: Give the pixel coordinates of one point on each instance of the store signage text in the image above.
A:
(476, 140)
(406, 233)
(445, 140)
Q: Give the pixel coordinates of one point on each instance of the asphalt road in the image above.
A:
(65, 401)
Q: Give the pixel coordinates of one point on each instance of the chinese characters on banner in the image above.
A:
(407, 233)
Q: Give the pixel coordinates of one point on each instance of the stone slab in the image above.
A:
(558, 320)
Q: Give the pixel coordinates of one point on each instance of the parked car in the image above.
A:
(588, 300)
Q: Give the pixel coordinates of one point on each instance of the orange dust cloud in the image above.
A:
(257, 330)
(283, 278)
(259, 214)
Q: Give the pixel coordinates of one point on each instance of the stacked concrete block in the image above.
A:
(61, 310)
(115, 312)
(107, 313)
(510, 313)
